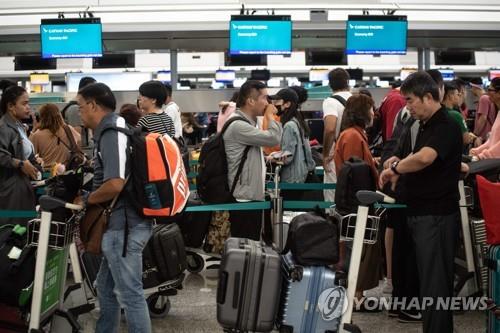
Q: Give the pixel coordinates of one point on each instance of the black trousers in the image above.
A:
(435, 239)
(404, 267)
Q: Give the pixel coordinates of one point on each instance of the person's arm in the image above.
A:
(106, 192)
(418, 161)
(252, 136)
(491, 152)
(76, 135)
(289, 142)
(330, 125)
(480, 123)
(143, 122)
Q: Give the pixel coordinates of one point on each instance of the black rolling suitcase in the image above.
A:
(249, 286)
(90, 267)
(164, 257)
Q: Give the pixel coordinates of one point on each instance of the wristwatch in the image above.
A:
(20, 164)
(394, 165)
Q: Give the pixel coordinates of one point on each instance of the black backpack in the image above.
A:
(355, 175)
(15, 274)
(212, 181)
(313, 240)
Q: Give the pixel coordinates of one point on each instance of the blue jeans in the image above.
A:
(119, 281)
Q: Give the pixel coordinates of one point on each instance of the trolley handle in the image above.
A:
(48, 203)
(370, 197)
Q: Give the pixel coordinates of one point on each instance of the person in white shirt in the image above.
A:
(172, 109)
(333, 108)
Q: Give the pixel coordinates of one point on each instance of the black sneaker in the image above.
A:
(410, 317)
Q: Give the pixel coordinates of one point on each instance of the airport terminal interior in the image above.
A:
(205, 51)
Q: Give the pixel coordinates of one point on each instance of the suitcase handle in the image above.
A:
(221, 288)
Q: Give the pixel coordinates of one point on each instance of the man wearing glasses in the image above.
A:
(491, 148)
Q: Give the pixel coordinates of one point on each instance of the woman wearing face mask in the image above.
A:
(18, 164)
(294, 140)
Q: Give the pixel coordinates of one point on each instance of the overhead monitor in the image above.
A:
(448, 74)
(225, 75)
(355, 73)
(493, 73)
(164, 76)
(454, 57)
(259, 34)
(376, 34)
(71, 38)
(260, 74)
(317, 75)
(325, 58)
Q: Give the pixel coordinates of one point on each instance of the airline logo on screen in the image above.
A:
(376, 37)
(71, 41)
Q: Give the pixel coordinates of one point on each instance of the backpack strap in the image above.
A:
(340, 99)
(245, 152)
(63, 111)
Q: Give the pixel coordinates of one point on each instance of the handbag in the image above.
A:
(93, 225)
(76, 156)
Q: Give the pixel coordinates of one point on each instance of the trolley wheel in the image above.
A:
(158, 305)
(195, 263)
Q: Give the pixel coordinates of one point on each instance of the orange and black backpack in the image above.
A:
(157, 186)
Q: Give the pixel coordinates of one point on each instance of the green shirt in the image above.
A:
(457, 117)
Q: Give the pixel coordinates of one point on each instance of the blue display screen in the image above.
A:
(376, 34)
(260, 35)
(71, 38)
(447, 74)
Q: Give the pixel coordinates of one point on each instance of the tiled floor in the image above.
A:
(193, 310)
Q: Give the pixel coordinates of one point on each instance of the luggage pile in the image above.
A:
(260, 288)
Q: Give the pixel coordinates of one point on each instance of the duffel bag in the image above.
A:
(313, 240)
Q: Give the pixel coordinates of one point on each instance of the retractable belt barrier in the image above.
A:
(259, 205)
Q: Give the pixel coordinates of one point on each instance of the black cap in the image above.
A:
(287, 95)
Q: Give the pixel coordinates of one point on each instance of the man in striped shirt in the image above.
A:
(152, 95)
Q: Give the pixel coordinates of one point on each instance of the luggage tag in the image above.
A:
(14, 253)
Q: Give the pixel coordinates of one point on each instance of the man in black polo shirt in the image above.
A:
(432, 174)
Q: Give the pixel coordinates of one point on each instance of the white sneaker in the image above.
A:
(384, 289)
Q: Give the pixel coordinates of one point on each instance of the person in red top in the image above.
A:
(391, 105)
(353, 141)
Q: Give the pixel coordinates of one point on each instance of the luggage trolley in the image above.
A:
(53, 240)
(360, 232)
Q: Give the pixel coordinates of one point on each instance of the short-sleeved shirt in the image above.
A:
(487, 108)
(110, 161)
(434, 189)
(457, 117)
(391, 105)
(332, 107)
(173, 111)
(158, 123)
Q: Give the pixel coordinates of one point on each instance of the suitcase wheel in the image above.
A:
(158, 305)
(195, 262)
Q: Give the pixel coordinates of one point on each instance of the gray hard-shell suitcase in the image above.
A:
(312, 299)
(480, 250)
(249, 286)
